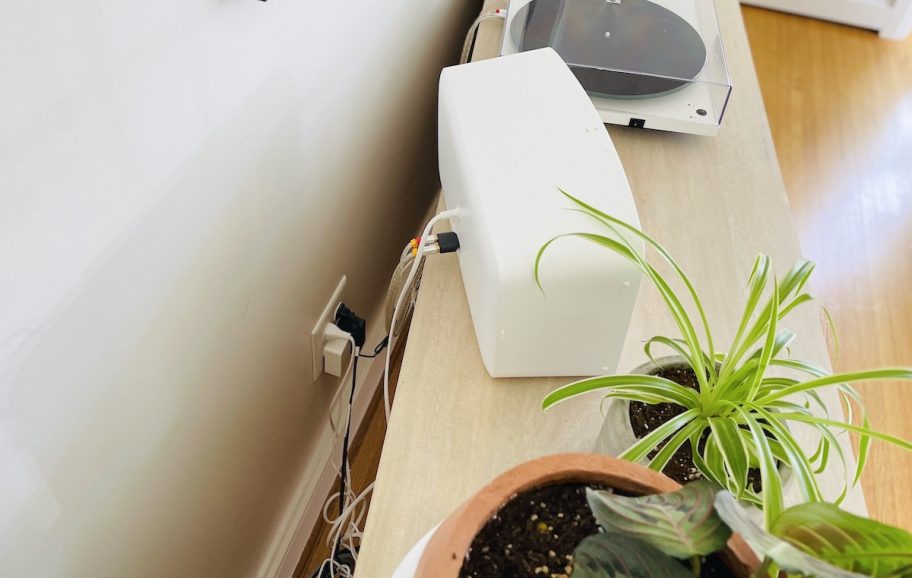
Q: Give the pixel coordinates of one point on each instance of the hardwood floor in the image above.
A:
(839, 102)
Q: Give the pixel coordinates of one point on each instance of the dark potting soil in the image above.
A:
(535, 533)
(645, 418)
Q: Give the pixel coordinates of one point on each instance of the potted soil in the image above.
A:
(530, 520)
(627, 422)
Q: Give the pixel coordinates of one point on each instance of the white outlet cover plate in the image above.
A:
(316, 334)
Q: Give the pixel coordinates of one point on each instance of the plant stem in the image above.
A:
(764, 568)
(695, 566)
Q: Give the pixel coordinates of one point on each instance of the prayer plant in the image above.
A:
(663, 534)
(740, 411)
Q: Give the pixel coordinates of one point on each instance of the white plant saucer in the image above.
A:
(409, 564)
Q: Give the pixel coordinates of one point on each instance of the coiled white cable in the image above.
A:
(345, 531)
(467, 45)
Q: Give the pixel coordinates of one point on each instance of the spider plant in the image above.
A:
(738, 417)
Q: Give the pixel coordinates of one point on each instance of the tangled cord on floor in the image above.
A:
(344, 538)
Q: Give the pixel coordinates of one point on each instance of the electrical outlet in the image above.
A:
(316, 335)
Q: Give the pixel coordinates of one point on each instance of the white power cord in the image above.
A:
(405, 289)
(345, 531)
(342, 380)
(406, 252)
(467, 45)
(397, 282)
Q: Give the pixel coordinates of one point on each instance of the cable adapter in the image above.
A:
(349, 322)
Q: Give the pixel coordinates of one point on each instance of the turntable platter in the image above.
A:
(616, 48)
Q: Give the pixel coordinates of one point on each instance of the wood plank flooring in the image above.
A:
(839, 102)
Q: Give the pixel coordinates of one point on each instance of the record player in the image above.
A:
(655, 64)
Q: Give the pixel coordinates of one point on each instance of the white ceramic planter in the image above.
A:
(617, 434)
(409, 564)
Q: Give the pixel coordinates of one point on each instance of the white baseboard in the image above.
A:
(306, 506)
(899, 25)
(872, 14)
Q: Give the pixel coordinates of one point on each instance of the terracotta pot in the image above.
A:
(449, 545)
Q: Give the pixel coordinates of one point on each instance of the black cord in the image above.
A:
(343, 557)
(380, 347)
(474, 40)
(343, 471)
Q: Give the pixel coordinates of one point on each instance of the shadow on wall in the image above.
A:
(163, 378)
(155, 419)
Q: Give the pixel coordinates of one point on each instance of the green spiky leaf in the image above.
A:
(787, 556)
(845, 540)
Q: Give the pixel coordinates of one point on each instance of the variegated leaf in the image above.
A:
(682, 524)
(606, 555)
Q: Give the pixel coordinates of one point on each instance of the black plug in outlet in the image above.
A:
(348, 321)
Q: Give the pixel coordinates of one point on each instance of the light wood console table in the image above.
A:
(714, 202)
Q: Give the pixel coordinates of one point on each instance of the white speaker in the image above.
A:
(511, 131)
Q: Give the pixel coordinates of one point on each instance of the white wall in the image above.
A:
(182, 183)
(891, 18)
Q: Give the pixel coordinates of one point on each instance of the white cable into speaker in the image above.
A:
(406, 252)
(467, 45)
(406, 287)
